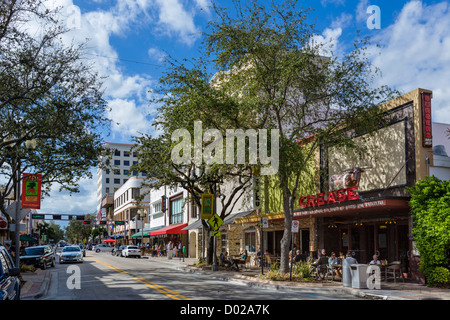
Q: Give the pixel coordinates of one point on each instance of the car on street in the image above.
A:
(71, 254)
(103, 248)
(83, 250)
(118, 251)
(39, 256)
(9, 277)
(132, 251)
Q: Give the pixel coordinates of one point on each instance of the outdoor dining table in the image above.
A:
(236, 262)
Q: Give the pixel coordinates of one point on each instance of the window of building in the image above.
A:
(176, 215)
(116, 181)
(126, 162)
(157, 207)
(223, 240)
(117, 162)
(117, 153)
(107, 171)
(126, 154)
(135, 192)
(107, 180)
(125, 180)
(125, 172)
(250, 239)
(193, 209)
(116, 172)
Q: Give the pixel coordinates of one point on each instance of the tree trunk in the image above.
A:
(286, 239)
(210, 251)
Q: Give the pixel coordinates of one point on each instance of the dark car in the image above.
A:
(39, 256)
(9, 277)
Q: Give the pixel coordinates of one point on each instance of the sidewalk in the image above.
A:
(36, 283)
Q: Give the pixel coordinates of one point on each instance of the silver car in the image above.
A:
(132, 251)
(71, 254)
(103, 248)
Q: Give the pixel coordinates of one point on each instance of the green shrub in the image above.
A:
(430, 204)
(438, 277)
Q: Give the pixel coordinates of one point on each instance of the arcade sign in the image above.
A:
(340, 195)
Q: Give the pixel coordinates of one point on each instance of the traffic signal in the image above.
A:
(102, 222)
(56, 217)
(80, 217)
(163, 204)
(86, 222)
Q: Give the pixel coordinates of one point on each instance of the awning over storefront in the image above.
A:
(255, 218)
(228, 220)
(367, 206)
(146, 232)
(172, 229)
(26, 237)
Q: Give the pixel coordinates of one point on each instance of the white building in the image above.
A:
(128, 207)
(118, 172)
(439, 164)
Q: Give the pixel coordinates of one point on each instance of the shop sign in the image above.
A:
(340, 195)
(427, 138)
(357, 206)
(31, 191)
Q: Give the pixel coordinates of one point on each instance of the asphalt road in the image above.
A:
(106, 277)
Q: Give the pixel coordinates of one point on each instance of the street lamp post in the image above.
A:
(30, 145)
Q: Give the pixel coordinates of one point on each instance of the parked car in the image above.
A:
(118, 251)
(83, 250)
(103, 248)
(132, 251)
(91, 245)
(9, 277)
(39, 256)
(71, 254)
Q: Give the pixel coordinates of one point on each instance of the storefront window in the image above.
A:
(223, 240)
(176, 211)
(250, 240)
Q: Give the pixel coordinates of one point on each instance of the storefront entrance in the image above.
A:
(388, 240)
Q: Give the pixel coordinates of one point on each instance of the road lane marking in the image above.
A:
(172, 294)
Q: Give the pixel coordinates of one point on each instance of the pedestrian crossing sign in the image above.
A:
(215, 222)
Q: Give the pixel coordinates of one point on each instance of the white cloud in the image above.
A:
(175, 19)
(128, 118)
(328, 41)
(415, 53)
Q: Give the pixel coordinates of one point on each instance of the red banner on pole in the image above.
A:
(31, 191)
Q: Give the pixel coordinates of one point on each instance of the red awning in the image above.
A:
(172, 229)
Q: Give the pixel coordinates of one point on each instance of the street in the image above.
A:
(106, 277)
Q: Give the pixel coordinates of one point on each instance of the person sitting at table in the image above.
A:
(242, 260)
(258, 257)
(299, 257)
(322, 265)
(311, 258)
(375, 260)
(224, 259)
(350, 258)
(332, 262)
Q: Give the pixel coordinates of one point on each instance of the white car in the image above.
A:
(131, 251)
(71, 254)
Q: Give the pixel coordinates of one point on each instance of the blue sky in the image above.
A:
(128, 40)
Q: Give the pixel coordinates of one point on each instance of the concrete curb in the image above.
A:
(45, 284)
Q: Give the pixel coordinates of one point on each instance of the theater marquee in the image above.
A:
(427, 138)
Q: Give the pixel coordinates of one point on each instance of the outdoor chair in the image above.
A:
(322, 271)
(394, 268)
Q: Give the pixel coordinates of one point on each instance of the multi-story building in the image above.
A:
(131, 205)
(116, 173)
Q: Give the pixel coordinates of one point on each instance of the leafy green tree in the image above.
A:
(430, 204)
(76, 231)
(47, 93)
(55, 232)
(261, 68)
